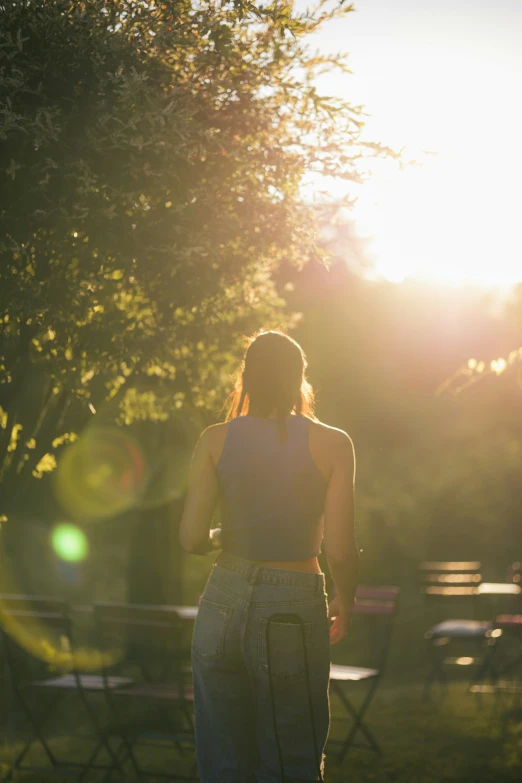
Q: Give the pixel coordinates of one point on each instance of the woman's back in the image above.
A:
(271, 492)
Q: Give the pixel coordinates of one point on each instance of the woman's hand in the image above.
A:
(341, 618)
(215, 538)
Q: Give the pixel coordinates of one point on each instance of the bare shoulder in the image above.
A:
(332, 449)
(213, 429)
(332, 437)
(215, 435)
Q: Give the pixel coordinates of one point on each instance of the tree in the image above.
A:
(474, 370)
(150, 163)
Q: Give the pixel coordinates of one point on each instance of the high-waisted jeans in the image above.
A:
(236, 738)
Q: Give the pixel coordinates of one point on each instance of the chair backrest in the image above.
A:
(376, 600)
(148, 636)
(514, 573)
(450, 587)
(49, 611)
(368, 640)
(449, 579)
(33, 628)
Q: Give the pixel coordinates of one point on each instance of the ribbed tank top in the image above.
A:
(271, 493)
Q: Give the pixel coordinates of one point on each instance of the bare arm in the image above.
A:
(339, 533)
(200, 500)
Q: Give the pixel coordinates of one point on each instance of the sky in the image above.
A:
(442, 77)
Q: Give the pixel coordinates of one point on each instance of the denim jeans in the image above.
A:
(234, 721)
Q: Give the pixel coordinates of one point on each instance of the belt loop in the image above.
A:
(252, 577)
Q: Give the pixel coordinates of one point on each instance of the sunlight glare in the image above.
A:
(441, 221)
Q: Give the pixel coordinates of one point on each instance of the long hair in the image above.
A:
(272, 377)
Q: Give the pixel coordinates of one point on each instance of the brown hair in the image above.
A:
(272, 375)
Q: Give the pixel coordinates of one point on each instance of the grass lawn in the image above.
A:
(458, 740)
(462, 738)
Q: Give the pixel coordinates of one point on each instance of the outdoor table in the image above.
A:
(494, 598)
(510, 623)
(498, 588)
(185, 612)
(85, 628)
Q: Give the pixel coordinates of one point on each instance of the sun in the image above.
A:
(455, 218)
(441, 221)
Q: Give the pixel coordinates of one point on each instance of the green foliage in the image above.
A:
(474, 370)
(150, 162)
(437, 475)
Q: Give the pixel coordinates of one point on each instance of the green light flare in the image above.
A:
(70, 543)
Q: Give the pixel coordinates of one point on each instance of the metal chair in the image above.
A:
(511, 625)
(496, 598)
(447, 586)
(506, 663)
(378, 605)
(503, 601)
(150, 643)
(450, 581)
(27, 673)
(514, 573)
(297, 621)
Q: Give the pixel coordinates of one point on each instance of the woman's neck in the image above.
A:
(255, 414)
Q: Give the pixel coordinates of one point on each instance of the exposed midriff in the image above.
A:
(310, 565)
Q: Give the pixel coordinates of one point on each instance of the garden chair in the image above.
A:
(498, 660)
(507, 662)
(27, 675)
(501, 597)
(377, 605)
(446, 587)
(511, 625)
(514, 573)
(152, 647)
(446, 583)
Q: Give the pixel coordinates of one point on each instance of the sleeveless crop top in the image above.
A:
(271, 493)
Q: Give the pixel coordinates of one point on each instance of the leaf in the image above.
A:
(12, 169)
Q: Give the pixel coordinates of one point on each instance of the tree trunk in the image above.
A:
(155, 560)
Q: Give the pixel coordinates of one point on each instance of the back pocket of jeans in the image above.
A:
(210, 629)
(287, 656)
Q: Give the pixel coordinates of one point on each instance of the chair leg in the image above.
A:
(426, 688)
(125, 755)
(37, 734)
(514, 664)
(358, 723)
(187, 712)
(126, 741)
(437, 672)
(486, 670)
(90, 761)
(104, 740)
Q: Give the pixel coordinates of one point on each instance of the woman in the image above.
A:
(284, 481)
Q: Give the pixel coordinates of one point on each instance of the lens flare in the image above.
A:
(167, 448)
(100, 475)
(26, 618)
(70, 543)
